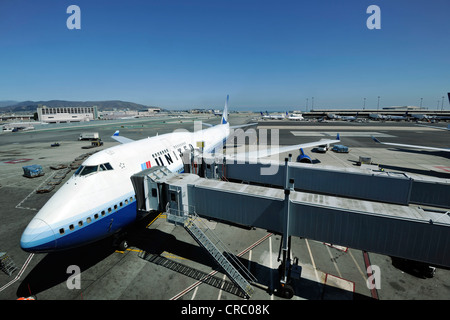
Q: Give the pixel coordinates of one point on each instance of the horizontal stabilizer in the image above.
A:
(120, 139)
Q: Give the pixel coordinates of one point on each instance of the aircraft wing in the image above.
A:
(435, 127)
(120, 139)
(411, 146)
(272, 151)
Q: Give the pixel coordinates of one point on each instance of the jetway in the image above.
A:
(390, 187)
(393, 229)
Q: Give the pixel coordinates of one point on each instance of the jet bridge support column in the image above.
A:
(287, 270)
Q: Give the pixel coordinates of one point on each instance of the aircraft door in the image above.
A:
(175, 200)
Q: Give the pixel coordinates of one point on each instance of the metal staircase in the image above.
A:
(240, 276)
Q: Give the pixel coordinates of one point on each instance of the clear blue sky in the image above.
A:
(264, 54)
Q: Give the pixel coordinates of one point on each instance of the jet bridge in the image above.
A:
(364, 184)
(387, 228)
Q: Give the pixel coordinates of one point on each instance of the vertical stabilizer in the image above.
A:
(225, 112)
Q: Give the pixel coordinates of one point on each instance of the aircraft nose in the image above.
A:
(38, 237)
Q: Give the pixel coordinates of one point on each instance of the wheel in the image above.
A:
(287, 291)
(123, 245)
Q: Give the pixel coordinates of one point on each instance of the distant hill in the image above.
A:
(7, 103)
(30, 106)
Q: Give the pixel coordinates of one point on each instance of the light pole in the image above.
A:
(378, 104)
(364, 106)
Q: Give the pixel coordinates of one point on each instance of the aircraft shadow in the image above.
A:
(303, 288)
(52, 269)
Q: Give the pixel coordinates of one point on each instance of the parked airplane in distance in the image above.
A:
(377, 116)
(268, 116)
(295, 116)
(99, 200)
(399, 118)
(333, 116)
(350, 118)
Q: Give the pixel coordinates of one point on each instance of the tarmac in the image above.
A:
(165, 263)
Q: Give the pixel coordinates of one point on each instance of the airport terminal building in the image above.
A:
(66, 114)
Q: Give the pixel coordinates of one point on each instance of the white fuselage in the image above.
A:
(99, 199)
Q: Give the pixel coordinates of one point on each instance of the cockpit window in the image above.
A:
(85, 170)
(108, 166)
(88, 170)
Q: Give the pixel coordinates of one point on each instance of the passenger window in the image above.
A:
(88, 220)
(80, 223)
(109, 210)
(115, 207)
(96, 216)
(103, 212)
(71, 227)
(61, 231)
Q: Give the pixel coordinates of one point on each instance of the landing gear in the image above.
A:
(120, 242)
(123, 245)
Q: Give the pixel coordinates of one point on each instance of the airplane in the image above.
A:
(376, 116)
(399, 118)
(273, 116)
(350, 118)
(99, 200)
(296, 116)
(420, 117)
(333, 116)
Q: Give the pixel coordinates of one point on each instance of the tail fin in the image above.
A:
(225, 112)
